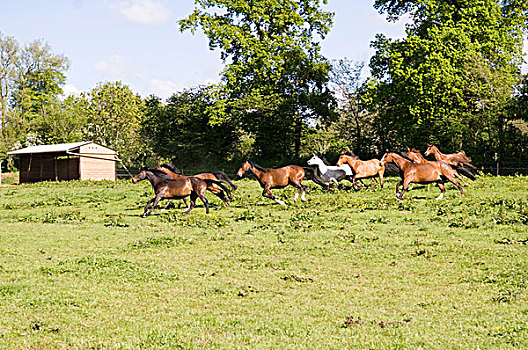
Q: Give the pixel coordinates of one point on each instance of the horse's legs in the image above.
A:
(205, 202)
(442, 189)
(461, 179)
(166, 205)
(398, 188)
(267, 193)
(380, 174)
(147, 206)
(156, 200)
(372, 183)
(301, 189)
(192, 197)
(406, 183)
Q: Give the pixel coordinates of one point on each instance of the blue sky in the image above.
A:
(138, 41)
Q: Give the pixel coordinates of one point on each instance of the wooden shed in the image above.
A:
(67, 161)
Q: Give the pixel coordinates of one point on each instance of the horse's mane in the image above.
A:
(401, 154)
(405, 156)
(171, 167)
(323, 159)
(156, 172)
(261, 168)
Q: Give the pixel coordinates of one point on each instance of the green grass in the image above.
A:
(79, 268)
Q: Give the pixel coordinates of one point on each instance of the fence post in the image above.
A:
(496, 158)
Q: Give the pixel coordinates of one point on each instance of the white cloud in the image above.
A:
(113, 67)
(70, 89)
(144, 11)
(162, 88)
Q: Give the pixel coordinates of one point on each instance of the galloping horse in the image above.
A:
(276, 178)
(331, 173)
(412, 172)
(215, 175)
(457, 159)
(217, 188)
(363, 169)
(166, 188)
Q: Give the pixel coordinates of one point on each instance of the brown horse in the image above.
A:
(417, 157)
(217, 188)
(363, 169)
(276, 178)
(166, 188)
(458, 159)
(413, 172)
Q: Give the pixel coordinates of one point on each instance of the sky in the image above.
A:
(138, 41)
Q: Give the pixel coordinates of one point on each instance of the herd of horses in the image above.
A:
(169, 183)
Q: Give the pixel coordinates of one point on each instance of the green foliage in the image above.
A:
(182, 130)
(114, 114)
(275, 78)
(449, 80)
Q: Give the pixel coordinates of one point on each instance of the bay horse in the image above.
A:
(276, 178)
(422, 173)
(217, 188)
(363, 169)
(331, 173)
(167, 188)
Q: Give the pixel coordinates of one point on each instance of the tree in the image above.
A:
(114, 115)
(449, 80)
(181, 131)
(275, 78)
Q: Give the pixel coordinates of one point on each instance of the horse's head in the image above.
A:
(243, 168)
(429, 150)
(342, 159)
(314, 160)
(387, 158)
(142, 175)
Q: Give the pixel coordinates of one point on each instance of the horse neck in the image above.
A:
(351, 161)
(154, 180)
(323, 168)
(437, 154)
(258, 173)
(401, 162)
(418, 157)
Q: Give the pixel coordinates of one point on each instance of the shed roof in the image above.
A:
(62, 147)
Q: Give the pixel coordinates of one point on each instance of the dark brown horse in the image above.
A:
(166, 188)
(216, 187)
(276, 178)
(413, 172)
(215, 175)
(363, 169)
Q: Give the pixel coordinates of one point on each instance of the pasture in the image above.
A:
(79, 268)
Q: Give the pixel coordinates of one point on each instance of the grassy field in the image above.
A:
(79, 268)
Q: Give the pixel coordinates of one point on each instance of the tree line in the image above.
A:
(454, 80)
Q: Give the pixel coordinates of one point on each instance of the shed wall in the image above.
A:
(97, 169)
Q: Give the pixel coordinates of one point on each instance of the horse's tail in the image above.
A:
(223, 176)
(310, 174)
(464, 171)
(219, 184)
(391, 167)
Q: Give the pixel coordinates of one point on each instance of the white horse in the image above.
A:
(332, 173)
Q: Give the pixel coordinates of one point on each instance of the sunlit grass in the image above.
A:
(79, 268)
